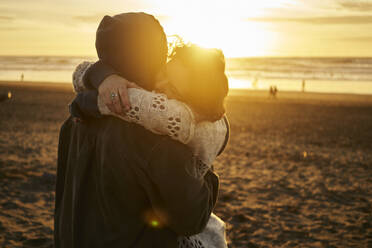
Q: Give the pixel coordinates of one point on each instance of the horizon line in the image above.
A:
(232, 57)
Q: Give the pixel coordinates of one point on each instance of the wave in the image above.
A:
(353, 69)
(40, 62)
(358, 69)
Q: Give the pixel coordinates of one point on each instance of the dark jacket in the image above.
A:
(119, 185)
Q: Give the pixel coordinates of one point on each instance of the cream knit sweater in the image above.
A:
(161, 115)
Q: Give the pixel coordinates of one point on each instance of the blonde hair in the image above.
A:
(208, 82)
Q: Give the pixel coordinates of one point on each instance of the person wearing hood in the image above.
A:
(118, 184)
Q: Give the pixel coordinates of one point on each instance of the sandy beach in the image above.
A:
(297, 171)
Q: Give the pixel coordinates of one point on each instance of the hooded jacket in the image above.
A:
(119, 185)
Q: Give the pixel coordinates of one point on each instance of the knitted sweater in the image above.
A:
(161, 115)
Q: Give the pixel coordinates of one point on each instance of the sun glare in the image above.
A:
(212, 24)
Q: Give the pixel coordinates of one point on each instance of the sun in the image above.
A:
(215, 24)
(236, 38)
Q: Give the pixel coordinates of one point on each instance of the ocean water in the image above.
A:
(39, 68)
(328, 75)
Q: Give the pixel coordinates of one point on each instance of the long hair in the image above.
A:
(208, 82)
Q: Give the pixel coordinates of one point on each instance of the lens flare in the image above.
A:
(154, 223)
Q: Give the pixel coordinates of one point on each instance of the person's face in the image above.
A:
(174, 80)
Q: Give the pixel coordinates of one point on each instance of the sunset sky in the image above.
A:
(239, 27)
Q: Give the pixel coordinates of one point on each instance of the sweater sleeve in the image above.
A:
(157, 113)
(78, 74)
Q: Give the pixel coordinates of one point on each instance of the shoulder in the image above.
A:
(66, 129)
(67, 123)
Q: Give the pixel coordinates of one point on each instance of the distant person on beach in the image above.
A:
(303, 85)
(22, 77)
(273, 90)
(254, 82)
(150, 189)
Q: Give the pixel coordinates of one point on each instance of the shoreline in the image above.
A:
(36, 84)
(303, 97)
(235, 93)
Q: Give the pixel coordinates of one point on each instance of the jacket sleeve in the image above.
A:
(96, 73)
(86, 79)
(163, 169)
(85, 105)
(181, 200)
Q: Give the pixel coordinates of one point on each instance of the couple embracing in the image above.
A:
(135, 156)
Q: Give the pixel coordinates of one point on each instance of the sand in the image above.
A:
(297, 171)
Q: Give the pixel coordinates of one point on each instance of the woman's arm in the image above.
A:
(96, 74)
(156, 113)
(170, 117)
(90, 75)
(153, 111)
(103, 79)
